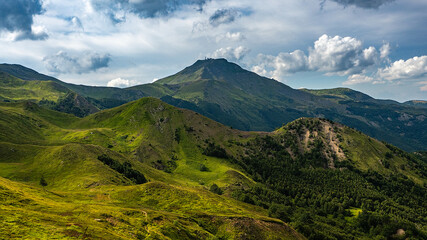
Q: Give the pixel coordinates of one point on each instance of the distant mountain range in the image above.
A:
(225, 92)
(416, 103)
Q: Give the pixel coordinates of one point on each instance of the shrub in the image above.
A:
(125, 169)
(215, 189)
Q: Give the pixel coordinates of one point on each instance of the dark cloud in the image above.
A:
(154, 8)
(31, 36)
(17, 16)
(223, 16)
(111, 8)
(143, 8)
(86, 62)
(362, 3)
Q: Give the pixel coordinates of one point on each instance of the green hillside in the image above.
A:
(101, 97)
(417, 103)
(343, 94)
(49, 93)
(229, 94)
(148, 170)
(72, 161)
(12, 88)
(233, 96)
(244, 100)
(325, 172)
(150, 211)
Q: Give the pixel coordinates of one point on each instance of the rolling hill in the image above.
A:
(149, 170)
(94, 179)
(244, 100)
(417, 103)
(225, 92)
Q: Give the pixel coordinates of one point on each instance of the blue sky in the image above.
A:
(375, 46)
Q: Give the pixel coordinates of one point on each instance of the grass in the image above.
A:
(354, 213)
(371, 154)
(85, 198)
(13, 88)
(150, 211)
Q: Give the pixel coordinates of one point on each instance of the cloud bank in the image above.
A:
(231, 53)
(367, 4)
(412, 68)
(116, 9)
(86, 62)
(121, 83)
(17, 16)
(331, 55)
(357, 79)
(224, 16)
(231, 36)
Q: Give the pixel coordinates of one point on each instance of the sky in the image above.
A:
(378, 47)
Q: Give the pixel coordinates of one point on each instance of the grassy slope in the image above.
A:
(132, 212)
(82, 189)
(246, 101)
(148, 129)
(50, 93)
(366, 153)
(166, 144)
(12, 88)
(322, 170)
(341, 94)
(387, 120)
(417, 103)
(233, 96)
(222, 97)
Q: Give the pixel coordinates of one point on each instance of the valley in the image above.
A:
(149, 170)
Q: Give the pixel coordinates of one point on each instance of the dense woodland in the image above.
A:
(323, 203)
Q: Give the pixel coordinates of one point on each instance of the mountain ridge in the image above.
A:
(244, 100)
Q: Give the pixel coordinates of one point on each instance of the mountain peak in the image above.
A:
(210, 69)
(24, 73)
(211, 61)
(214, 62)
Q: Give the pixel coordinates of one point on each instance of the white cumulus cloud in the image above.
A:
(121, 83)
(340, 55)
(412, 68)
(231, 53)
(358, 78)
(331, 55)
(282, 64)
